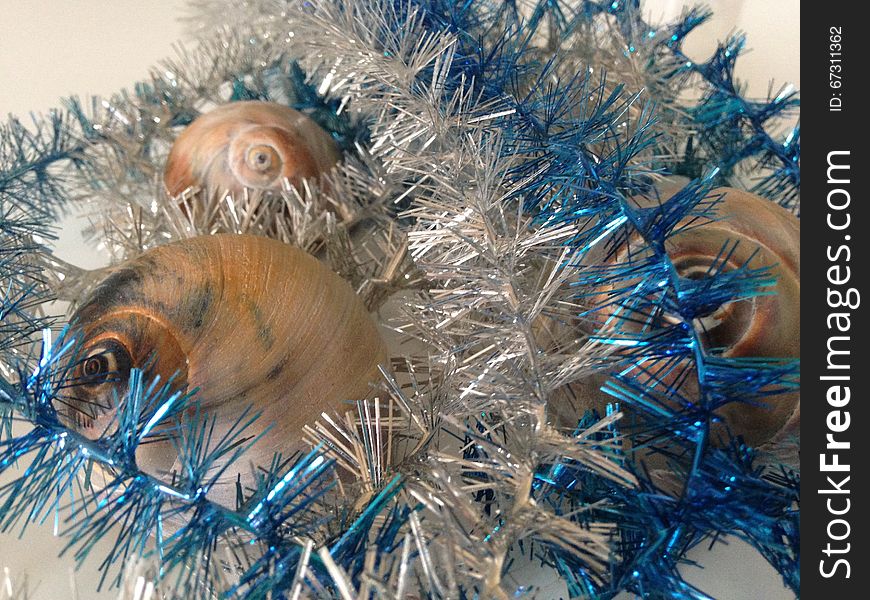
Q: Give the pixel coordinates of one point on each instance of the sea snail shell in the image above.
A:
(248, 145)
(763, 326)
(247, 320)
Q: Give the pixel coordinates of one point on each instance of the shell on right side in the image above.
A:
(764, 326)
(249, 144)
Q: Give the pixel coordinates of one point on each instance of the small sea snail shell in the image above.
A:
(762, 326)
(248, 320)
(248, 145)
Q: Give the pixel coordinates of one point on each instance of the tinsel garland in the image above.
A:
(489, 166)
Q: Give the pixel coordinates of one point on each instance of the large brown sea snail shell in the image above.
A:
(248, 320)
(762, 326)
(251, 144)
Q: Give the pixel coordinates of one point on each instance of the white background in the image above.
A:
(54, 48)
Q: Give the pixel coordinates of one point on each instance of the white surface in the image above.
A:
(51, 48)
(773, 37)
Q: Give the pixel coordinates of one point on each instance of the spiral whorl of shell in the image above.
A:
(250, 144)
(763, 326)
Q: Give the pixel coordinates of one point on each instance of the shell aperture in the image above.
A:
(249, 321)
(755, 233)
(761, 326)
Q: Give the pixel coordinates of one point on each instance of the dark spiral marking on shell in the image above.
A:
(277, 369)
(193, 311)
(118, 288)
(264, 332)
(123, 287)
